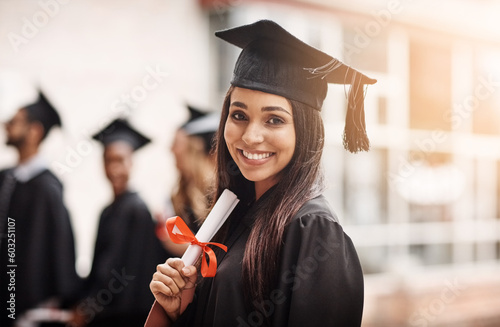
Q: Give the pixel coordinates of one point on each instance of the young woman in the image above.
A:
(195, 162)
(288, 262)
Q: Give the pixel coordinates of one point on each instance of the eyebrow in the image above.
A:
(239, 105)
(276, 108)
(264, 109)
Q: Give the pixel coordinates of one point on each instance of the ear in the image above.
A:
(131, 159)
(196, 143)
(36, 132)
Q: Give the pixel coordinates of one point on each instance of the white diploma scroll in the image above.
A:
(214, 221)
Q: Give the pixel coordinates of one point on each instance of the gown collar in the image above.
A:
(124, 195)
(30, 169)
(242, 219)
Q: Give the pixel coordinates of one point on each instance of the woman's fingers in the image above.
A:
(172, 277)
(190, 276)
(158, 287)
(172, 268)
(168, 282)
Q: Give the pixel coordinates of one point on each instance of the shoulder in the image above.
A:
(133, 200)
(315, 220)
(319, 269)
(46, 184)
(4, 170)
(315, 231)
(129, 207)
(134, 204)
(48, 179)
(315, 209)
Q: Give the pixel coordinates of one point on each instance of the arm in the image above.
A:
(158, 317)
(321, 280)
(62, 250)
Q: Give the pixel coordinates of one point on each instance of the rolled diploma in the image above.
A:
(214, 221)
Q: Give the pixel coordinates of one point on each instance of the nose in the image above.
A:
(7, 125)
(253, 134)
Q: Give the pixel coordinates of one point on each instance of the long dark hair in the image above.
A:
(303, 182)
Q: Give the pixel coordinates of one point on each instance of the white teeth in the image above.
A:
(256, 156)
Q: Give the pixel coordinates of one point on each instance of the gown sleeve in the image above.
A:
(320, 281)
(50, 250)
(63, 249)
(141, 252)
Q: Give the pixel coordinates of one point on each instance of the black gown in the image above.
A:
(44, 245)
(320, 281)
(125, 258)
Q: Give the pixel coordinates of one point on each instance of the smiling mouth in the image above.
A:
(256, 156)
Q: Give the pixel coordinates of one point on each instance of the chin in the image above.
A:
(119, 185)
(255, 176)
(11, 142)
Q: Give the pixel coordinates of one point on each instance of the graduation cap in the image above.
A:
(203, 125)
(274, 61)
(42, 111)
(120, 130)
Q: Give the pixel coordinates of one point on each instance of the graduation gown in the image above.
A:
(44, 245)
(320, 281)
(125, 258)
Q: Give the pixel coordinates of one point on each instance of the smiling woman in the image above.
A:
(260, 136)
(288, 261)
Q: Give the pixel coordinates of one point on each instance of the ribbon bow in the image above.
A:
(184, 235)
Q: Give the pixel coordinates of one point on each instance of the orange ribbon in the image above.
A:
(186, 236)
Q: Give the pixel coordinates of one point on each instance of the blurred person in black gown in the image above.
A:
(126, 248)
(36, 246)
(195, 162)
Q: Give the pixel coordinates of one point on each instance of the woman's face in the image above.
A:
(180, 149)
(260, 135)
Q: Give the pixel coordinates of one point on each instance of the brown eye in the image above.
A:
(238, 116)
(276, 121)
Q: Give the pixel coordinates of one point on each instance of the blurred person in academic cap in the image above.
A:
(36, 247)
(126, 248)
(195, 163)
(288, 260)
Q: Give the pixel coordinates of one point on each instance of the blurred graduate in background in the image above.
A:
(126, 249)
(36, 246)
(195, 162)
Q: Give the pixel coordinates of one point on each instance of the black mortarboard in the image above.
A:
(274, 61)
(42, 111)
(203, 125)
(120, 130)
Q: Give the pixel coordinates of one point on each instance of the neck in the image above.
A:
(119, 192)
(26, 153)
(261, 188)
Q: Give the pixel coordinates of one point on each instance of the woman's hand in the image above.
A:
(169, 280)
